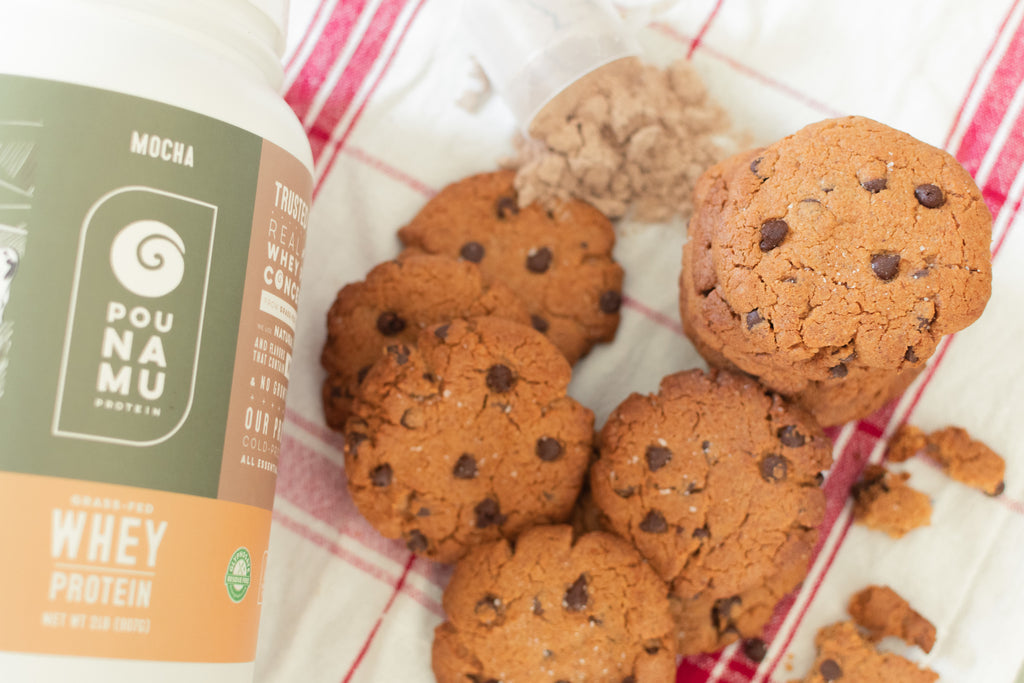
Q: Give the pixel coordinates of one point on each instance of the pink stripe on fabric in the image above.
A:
(390, 171)
(1007, 167)
(994, 104)
(316, 429)
(695, 43)
(373, 632)
(807, 100)
(347, 556)
(330, 45)
(977, 73)
(357, 561)
(307, 34)
(356, 71)
(655, 316)
(362, 107)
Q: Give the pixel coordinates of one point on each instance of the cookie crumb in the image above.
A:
(884, 501)
(844, 654)
(629, 135)
(962, 458)
(883, 612)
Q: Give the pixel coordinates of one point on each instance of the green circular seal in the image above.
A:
(239, 575)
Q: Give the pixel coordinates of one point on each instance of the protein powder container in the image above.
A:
(154, 197)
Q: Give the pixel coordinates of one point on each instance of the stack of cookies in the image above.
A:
(819, 275)
(830, 263)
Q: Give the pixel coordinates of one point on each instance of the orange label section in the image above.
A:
(115, 571)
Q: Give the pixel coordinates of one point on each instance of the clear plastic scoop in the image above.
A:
(531, 50)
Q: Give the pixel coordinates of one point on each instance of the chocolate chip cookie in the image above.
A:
(831, 263)
(717, 482)
(466, 437)
(395, 302)
(557, 260)
(551, 610)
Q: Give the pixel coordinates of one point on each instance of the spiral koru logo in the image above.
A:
(148, 258)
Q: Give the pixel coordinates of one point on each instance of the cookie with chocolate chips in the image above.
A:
(830, 263)
(553, 610)
(396, 301)
(715, 481)
(466, 437)
(558, 260)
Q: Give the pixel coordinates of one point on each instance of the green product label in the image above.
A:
(239, 575)
(134, 242)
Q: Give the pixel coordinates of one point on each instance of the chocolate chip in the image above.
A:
(885, 266)
(423, 512)
(381, 475)
(575, 599)
(755, 649)
(910, 356)
(874, 185)
(548, 449)
(416, 542)
(1000, 487)
(772, 233)
(336, 390)
(472, 251)
(705, 446)
(489, 602)
(537, 609)
(657, 457)
(506, 207)
(652, 646)
(539, 260)
(789, 436)
(819, 478)
(500, 378)
(702, 532)
(412, 418)
(610, 302)
(838, 371)
(654, 523)
(774, 468)
(830, 670)
(389, 324)
(753, 318)
(488, 513)
(361, 375)
(465, 467)
(754, 164)
(353, 440)
(400, 352)
(442, 332)
(929, 196)
(539, 323)
(720, 613)
(626, 492)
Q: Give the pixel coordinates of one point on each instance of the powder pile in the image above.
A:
(627, 136)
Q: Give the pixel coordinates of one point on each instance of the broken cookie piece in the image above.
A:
(844, 654)
(962, 458)
(882, 611)
(884, 501)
